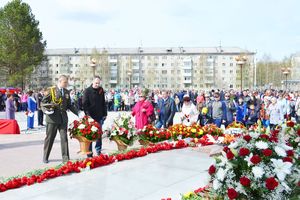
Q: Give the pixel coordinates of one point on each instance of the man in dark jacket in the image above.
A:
(94, 105)
(166, 111)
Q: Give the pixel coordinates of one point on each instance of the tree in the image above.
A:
(21, 42)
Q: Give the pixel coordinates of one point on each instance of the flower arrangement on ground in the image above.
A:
(86, 127)
(236, 124)
(256, 166)
(152, 134)
(212, 129)
(180, 131)
(123, 130)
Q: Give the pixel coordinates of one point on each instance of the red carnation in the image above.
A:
(299, 184)
(267, 152)
(287, 159)
(247, 138)
(212, 170)
(255, 159)
(245, 181)
(290, 153)
(298, 132)
(264, 136)
(226, 149)
(290, 124)
(232, 194)
(271, 183)
(244, 152)
(229, 155)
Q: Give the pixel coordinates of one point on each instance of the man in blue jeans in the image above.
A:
(94, 106)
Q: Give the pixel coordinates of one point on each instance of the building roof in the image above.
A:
(150, 50)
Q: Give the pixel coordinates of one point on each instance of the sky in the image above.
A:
(268, 27)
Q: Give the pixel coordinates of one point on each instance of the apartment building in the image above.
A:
(165, 68)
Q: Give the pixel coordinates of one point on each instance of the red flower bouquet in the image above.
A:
(85, 127)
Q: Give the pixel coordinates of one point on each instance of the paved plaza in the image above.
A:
(156, 176)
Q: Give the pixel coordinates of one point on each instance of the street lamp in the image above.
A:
(129, 73)
(93, 65)
(241, 60)
(286, 71)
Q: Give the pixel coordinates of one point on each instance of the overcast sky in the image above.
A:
(265, 26)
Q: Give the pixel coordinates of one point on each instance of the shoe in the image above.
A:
(45, 161)
(90, 155)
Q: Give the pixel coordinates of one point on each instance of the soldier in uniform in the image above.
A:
(55, 104)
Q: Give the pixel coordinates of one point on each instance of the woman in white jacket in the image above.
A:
(189, 112)
(274, 111)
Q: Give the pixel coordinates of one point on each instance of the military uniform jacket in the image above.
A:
(61, 103)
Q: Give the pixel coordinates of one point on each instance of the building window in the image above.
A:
(178, 71)
(231, 71)
(223, 71)
(164, 71)
(162, 64)
(231, 64)
(223, 64)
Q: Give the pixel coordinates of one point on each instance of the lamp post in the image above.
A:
(241, 60)
(93, 65)
(286, 71)
(129, 73)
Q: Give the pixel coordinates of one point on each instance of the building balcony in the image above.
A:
(136, 67)
(187, 74)
(113, 81)
(187, 66)
(135, 60)
(135, 81)
(207, 81)
(187, 81)
(113, 60)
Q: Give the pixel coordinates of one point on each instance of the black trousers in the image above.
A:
(40, 117)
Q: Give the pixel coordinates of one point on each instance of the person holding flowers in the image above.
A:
(142, 110)
(189, 112)
(94, 106)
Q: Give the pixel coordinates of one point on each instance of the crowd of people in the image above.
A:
(157, 107)
(272, 107)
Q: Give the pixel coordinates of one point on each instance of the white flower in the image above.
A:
(261, 145)
(113, 133)
(281, 168)
(285, 186)
(216, 184)
(223, 159)
(233, 145)
(81, 126)
(94, 129)
(90, 120)
(280, 151)
(286, 147)
(221, 174)
(254, 134)
(257, 171)
(130, 126)
(247, 158)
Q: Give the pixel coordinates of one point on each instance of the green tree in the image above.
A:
(21, 42)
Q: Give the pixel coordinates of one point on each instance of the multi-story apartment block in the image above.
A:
(165, 68)
(293, 81)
